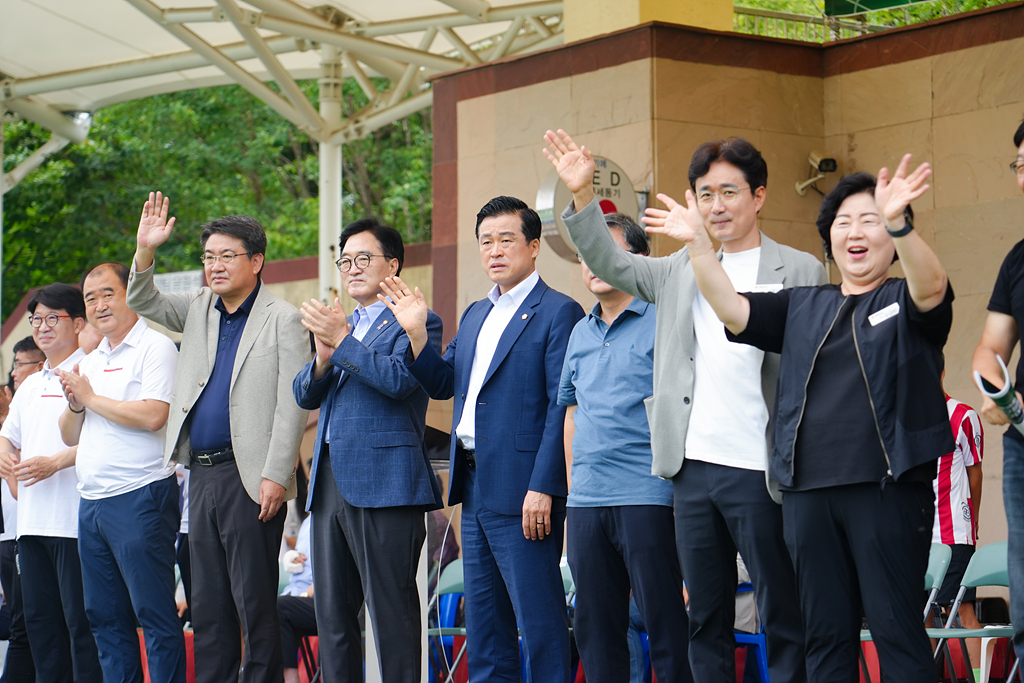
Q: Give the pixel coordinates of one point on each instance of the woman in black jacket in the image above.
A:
(861, 415)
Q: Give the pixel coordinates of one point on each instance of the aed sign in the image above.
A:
(614, 192)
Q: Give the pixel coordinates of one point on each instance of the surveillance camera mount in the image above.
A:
(802, 185)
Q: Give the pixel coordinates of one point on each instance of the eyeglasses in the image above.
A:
(728, 196)
(19, 363)
(1017, 167)
(362, 262)
(51, 320)
(210, 259)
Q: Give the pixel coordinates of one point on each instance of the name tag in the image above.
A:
(771, 287)
(884, 314)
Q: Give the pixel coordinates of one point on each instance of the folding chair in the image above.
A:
(450, 589)
(987, 568)
(757, 640)
(938, 562)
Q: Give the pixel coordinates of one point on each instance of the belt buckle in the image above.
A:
(204, 460)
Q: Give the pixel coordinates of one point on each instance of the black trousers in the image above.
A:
(855, 548)
(184, 559)
(366, 554)
(18, 666)
(298, 620)
(610, 550)
(63, 648)
(235, 577)
(720, 510)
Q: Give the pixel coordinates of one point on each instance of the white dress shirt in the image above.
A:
(505, 307)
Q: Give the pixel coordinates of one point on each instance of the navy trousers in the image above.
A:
(126, 543)
(63, 648)
(612, 549)
(720, 510)
(508, 576)
(18, 666)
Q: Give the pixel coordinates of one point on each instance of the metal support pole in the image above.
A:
(330, 174)
(2, 191)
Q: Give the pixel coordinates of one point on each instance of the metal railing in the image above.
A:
(805, 27)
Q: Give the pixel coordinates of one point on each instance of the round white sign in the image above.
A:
(614, 192)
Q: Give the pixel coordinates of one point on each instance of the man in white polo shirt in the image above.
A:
(118, 400)
(63, 648)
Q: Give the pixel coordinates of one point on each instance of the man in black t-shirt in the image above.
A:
(1000, 336)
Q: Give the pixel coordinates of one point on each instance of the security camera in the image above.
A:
(820, 164)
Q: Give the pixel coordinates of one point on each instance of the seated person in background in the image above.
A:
(295, 606)
(957, 501)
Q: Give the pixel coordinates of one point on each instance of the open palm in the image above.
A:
(682, 221)
(410, 308)
(894, 195)
(574, 164)
(154, 228)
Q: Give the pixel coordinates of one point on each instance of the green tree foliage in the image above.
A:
(214, 152)
(904, 16)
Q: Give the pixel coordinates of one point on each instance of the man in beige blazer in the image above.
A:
(234, 423)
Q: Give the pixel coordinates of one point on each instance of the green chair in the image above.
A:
(450, 587)
(987, 568)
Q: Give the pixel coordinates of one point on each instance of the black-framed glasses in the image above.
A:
(210, 259)
(1017, 167)
(19, 363)
(362, 261)
(51, 320)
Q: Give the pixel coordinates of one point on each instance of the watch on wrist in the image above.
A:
(906, 229)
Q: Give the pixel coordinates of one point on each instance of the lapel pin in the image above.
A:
(381, 326)
(525, 316)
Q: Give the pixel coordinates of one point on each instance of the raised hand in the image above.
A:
(894, 195)
(154, 228)
(328, 324)
(410, 309)
(575, 165)
(681, 222)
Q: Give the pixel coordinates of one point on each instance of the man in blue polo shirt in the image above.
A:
(621, 532)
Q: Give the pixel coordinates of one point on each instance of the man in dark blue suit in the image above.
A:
(371, 481)
(508, 459)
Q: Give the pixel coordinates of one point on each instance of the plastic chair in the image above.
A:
(757, 640)
(450, 589)
(987, 568)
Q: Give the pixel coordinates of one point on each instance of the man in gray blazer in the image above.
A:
(710, 413)
(234, 423)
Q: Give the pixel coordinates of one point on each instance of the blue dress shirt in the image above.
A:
(608, 372)
(211, 421)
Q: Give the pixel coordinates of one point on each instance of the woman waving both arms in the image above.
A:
(861, 414)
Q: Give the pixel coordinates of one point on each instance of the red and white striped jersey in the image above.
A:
(954, 510)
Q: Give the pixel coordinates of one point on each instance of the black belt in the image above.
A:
(207, 458)
(468, 454)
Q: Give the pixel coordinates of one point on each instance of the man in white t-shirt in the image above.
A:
(118, 398)
(51, 573)
(710, 411)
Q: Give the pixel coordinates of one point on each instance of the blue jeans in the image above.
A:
(126, 543)
(1013, 501)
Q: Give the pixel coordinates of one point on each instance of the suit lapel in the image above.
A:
(344, 374)
(468, 333)
(382, 324)
(258, 317)
(212, 333)
(770, 267)
(515, 327)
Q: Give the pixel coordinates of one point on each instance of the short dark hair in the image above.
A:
(735, 151)
(506, 206)
(245, 228)
(119, 269)
(27, 345)
(636, 237)
(1018, 137)
(848, 185)
(59, 297)
(390, 240)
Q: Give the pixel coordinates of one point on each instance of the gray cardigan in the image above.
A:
(668, 282)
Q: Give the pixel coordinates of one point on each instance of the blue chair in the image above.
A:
(757, 641)
(450, 589)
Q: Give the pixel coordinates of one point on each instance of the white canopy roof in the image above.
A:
(82, 55)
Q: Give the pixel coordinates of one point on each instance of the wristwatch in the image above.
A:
(905, 230)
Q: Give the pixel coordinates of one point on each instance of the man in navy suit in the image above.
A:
(371, 481)
(508, 459)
